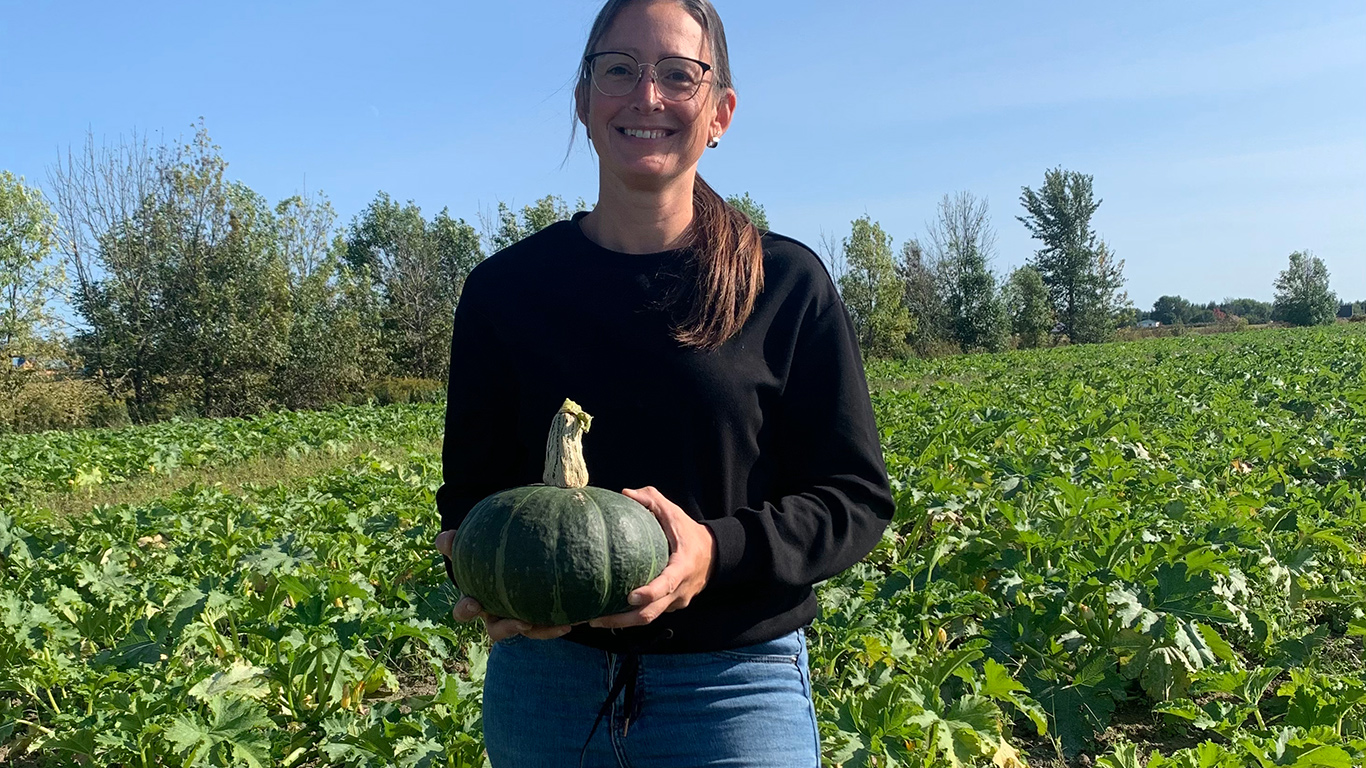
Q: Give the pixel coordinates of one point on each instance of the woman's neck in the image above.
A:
(640, 221)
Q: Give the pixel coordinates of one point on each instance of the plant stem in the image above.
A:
(564, 464)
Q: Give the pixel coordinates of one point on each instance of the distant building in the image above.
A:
(1149, 324)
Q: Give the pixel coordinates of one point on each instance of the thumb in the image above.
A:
(444, 540)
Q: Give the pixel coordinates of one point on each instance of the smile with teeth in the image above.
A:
(639, 134)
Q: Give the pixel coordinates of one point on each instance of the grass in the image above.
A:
(260, 471)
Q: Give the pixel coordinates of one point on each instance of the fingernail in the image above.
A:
(635, 599)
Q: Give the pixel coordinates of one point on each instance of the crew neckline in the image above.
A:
(618, 256)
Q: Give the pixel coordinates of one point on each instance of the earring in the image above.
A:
(712, 144)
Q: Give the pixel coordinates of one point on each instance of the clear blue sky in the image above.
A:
(1222, 134)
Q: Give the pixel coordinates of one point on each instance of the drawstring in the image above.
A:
(624, 682)
(624, 679)
(631, 690)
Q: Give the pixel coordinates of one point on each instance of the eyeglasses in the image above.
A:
(678, 78)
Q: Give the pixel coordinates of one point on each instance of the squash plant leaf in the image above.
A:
(237, 729)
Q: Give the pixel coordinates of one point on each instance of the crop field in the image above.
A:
(1145, 554)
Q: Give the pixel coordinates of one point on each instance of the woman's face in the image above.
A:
(650, 31)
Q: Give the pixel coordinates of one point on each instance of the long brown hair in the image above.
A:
(728, 272)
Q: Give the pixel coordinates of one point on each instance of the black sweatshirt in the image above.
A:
(768, 440)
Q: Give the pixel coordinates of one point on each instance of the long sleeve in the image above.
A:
(833, 497)
(478, 454)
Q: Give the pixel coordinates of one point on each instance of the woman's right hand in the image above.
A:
(499, 628)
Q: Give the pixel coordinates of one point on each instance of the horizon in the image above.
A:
(1221, 138)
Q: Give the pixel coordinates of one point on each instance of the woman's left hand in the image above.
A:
(691, 556)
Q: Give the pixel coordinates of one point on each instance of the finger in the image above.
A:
(671, 517)
(663, 585)
(636, 618)
(501, 629)
(444, 541)
(466, 609)
(547, 633)
(641, 497)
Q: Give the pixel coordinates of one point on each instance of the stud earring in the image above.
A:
(712, 144)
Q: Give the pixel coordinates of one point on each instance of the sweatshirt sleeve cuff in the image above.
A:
(730, 550)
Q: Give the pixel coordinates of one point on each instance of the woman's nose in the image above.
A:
(647, 90)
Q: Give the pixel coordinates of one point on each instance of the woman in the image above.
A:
(728, 398)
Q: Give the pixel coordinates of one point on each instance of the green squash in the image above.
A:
(561, 552)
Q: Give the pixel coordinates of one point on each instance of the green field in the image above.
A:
(1125, 555)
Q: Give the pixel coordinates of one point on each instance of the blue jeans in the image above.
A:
(747, 707)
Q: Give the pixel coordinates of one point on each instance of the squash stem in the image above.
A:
(564, 464)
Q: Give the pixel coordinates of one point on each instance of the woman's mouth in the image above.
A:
(638, 133)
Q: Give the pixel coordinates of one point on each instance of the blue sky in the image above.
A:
(1221, 134)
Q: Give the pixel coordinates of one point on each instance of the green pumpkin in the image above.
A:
(562, 552)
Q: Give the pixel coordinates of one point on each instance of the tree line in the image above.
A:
(189, 293)
(1304, 296)
(940, 294)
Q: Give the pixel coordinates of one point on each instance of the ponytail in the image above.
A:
(728, 271)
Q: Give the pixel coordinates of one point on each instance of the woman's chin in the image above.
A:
(647, 173)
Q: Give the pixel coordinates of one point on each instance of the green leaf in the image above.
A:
(1258, 680)
(241, 679)
(1076, 714)
(1215, 642)
(967, 732)
(1123, 756)
(237, 725)
(1324, 756)
(997, 682)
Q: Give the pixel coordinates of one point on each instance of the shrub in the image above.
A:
(401, 391)
(45, 402)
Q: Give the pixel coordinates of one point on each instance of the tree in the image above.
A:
(220, 280)
(1031, 314)
(1172, 310)
(103, 196)
(510, 227)
(962, 244)
(1106, 306)
(179, 286)
(831, 251)
(1251, 310)
(1082, 275)
(333, 344)
(458, 248)
(921, 298)
(752, 210)
(872, 292)
(28, 284)
(1303, 295)
(1203, 315)
(420, 269)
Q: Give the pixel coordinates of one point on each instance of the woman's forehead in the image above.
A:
(654, 30)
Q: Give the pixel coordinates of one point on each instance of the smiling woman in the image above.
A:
(728, 398)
